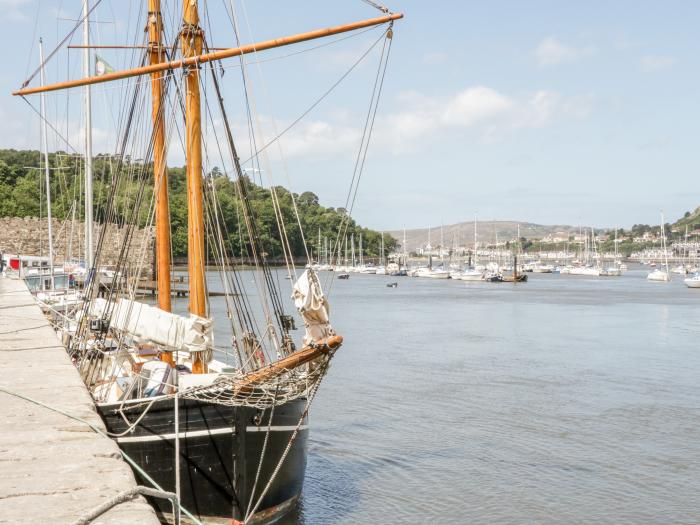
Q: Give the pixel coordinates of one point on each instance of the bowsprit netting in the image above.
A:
(234, 390)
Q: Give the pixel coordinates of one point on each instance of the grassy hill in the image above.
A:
(463, 233)
(22, 189)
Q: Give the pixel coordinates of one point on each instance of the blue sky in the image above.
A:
(549, 112)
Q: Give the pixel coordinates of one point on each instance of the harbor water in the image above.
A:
(566, 399)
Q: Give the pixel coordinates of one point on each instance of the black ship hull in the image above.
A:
(220, 453)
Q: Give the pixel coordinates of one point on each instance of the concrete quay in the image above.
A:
(53, 469)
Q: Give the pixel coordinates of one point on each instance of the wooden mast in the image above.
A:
(216, 55)
(156, 54)
(191, 43)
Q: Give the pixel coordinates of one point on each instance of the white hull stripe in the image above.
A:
(197, 433)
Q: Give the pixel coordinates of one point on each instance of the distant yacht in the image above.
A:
(693, 282)
(659, 275)
(543, 268)
(472, 275)
(368, 269)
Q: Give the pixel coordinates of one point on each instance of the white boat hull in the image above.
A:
(692, 282)
(659, 276)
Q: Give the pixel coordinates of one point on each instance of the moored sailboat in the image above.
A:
(223, 427)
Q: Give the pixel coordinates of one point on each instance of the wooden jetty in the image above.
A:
(55, 469)
(178, 288)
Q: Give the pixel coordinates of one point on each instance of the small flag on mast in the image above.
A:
(102, 67)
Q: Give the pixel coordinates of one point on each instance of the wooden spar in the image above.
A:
(192, 60)
(191, 43)
(147, 46)
(160, 174)
(294, 360)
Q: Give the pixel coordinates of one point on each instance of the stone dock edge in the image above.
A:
(54, 469)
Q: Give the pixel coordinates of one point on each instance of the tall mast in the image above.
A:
(160, 174)
(89, 255)
(191, 43)
(382, 254)
(663, 245)
(362, 261)
(475, 238)
(44, 141)
(352, 248)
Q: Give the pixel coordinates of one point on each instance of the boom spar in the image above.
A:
(209, 57)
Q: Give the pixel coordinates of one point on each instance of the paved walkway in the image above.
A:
(52, 469)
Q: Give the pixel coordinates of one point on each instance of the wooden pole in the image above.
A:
(160, 174)
(87, 99)
(147, 46)
(191, 43)
(193, 60)
(47, 172)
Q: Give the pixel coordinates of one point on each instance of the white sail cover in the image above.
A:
(313, 307)
(149, 323)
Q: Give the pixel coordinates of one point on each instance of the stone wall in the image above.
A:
(28, 236)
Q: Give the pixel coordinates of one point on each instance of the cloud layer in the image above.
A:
(552, 52)
(488, 114)
(652, 63)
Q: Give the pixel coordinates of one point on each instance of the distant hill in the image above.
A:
(463, 233)
(690, 219)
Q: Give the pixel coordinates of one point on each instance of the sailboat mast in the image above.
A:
(663, 244)
(352, 248)
(475, 242)
(382, 254)
(160, 174)
(405, 250)
(89, 255)
(191, 42)
(362, 261)
(69, 255)
(44, 141)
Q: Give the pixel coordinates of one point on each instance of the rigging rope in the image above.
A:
(318, 101)
(364, 144)
(65, 39)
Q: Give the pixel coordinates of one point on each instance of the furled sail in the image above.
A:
(313, 307)
(151, 324)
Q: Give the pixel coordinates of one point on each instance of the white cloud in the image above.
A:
(12, 9)
(320, 137)
(486, 113)
(651, 63)
(434, 58)
(474, 105)
(551, 52)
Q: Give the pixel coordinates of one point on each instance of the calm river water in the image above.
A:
(566, 399)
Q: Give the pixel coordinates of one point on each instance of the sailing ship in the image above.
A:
(225, 428)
